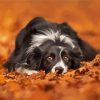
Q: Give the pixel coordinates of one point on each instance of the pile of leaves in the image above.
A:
(79, 84)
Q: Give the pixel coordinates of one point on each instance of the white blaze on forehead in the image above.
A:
(60, 63)
(49, 34)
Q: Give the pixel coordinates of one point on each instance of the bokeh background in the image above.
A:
(82, 15)
(80, 84)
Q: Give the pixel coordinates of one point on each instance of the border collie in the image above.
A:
(48, 46)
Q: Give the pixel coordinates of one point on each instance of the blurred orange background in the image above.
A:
(82, 15)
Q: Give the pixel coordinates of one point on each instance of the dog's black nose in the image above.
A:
(59, 70)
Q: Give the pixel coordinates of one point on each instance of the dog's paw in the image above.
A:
(24, 68)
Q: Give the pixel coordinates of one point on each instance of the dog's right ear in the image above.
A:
(29, 29)
(21, 42)
(35, 58)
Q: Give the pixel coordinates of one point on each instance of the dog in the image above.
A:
(52, 47)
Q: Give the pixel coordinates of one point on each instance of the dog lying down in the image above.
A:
(48, 46)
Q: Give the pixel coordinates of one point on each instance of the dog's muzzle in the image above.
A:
(59, 70)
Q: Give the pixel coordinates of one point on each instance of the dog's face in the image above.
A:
(57, 58)
(53, 58)
(54, 47)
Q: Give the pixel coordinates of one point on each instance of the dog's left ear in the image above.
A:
(67, 30)
(88, 51)
(75, 63)
(34, 59)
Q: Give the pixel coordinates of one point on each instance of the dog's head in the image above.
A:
(54, 58)
(53, 47)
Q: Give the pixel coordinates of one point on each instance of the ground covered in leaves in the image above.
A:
(81, 84)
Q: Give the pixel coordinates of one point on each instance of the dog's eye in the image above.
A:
(65, 58)
(49, 59)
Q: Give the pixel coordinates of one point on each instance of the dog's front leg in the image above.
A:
(25, 68)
